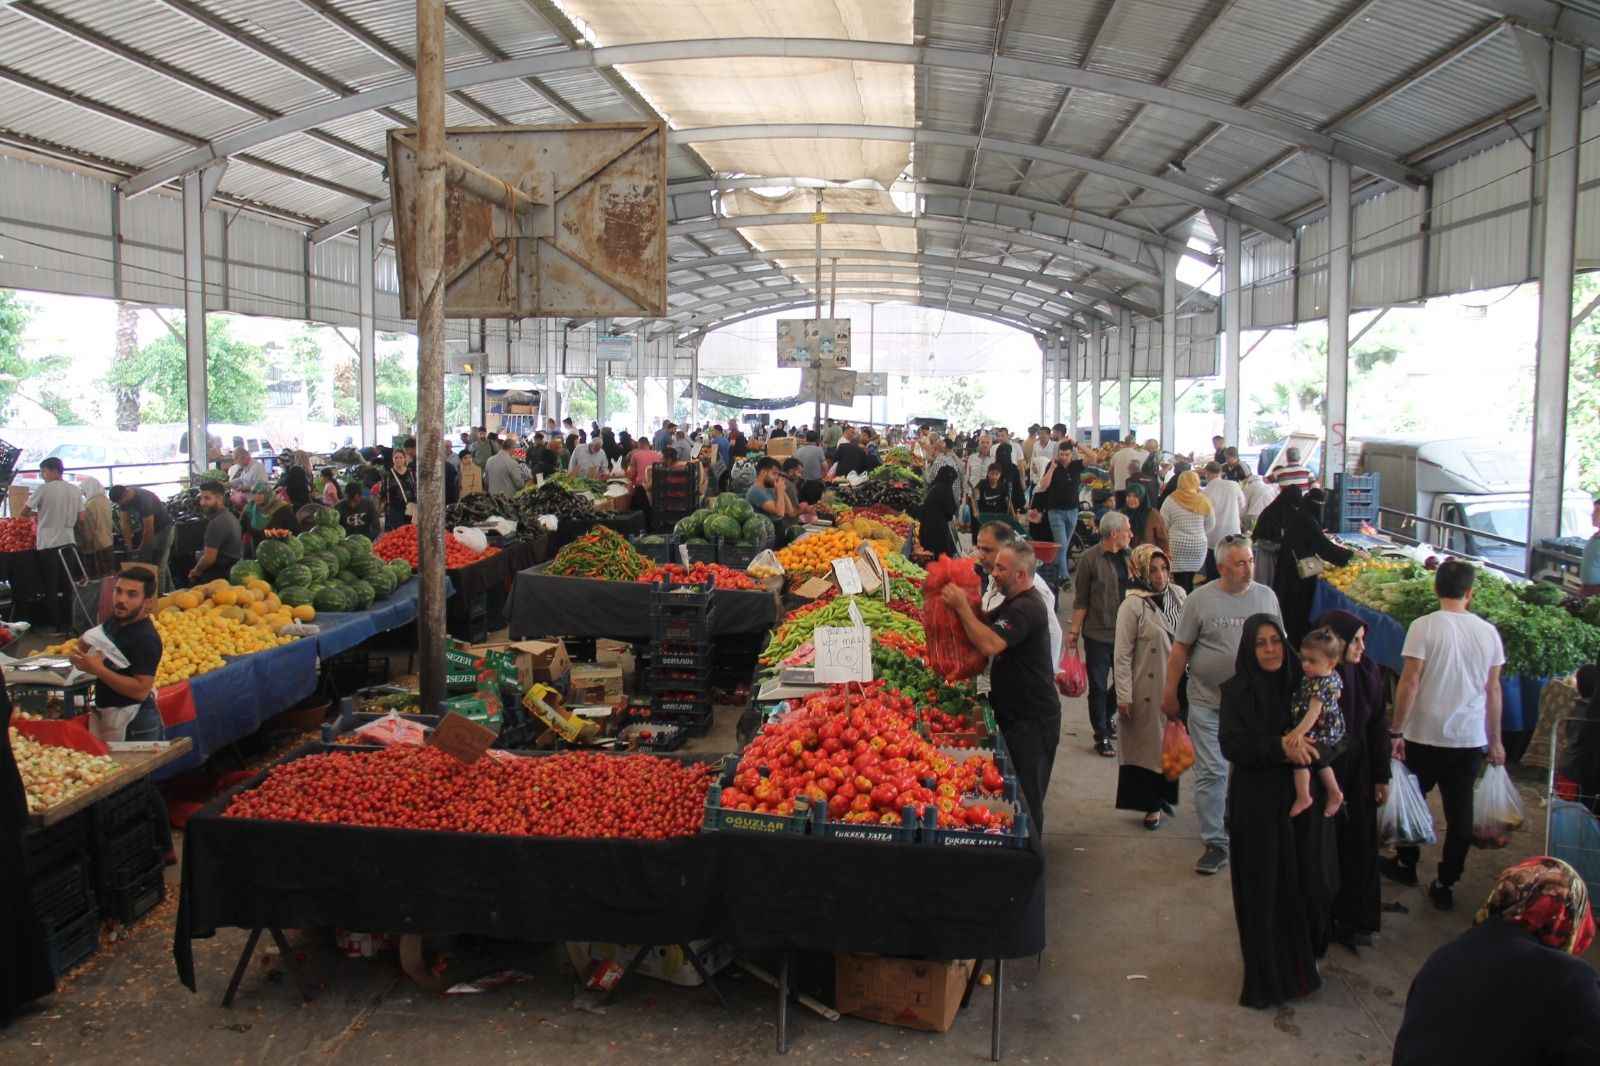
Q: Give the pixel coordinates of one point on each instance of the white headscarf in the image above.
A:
(90, 487)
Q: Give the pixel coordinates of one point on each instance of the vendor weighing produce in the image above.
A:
(124, 696)
(1016, 634)
(224, 543)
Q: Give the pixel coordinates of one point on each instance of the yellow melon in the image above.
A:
(225, 597)
(304, 613)
(187, 600)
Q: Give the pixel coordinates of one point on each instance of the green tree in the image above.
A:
(581, 399)
(957, 399)
(733, 385)
(397, 386)
(235, 389)
(346, 393)
(457, 401)
(305, 365)
(1583, 389)
(40, 380)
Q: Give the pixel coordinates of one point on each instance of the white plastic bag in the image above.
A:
(1496, 808)
(475, 539)
(1404, 818)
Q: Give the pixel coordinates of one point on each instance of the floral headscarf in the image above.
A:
(1546, 897)
(1139, 563)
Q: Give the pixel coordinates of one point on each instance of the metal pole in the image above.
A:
(694, 384)
(1097, 364)
(1232, 321)
(1076, 344)
(1555, 294)
(1044, 376)
(430, 348)
(366, 357)
(872, 361)
(1169, 351)
(1055, 389)
(639, 346)
(194, 319)
(672, 362)
(1125, 372)
(1337, 407)
(816, 360)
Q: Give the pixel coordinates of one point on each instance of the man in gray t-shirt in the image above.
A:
(812, 460)
(1207, 645)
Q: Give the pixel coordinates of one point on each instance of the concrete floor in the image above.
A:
(1142, 967)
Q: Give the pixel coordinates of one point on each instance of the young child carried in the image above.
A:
(1318, 718)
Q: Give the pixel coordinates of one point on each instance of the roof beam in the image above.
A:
(1114, 171)
(756, 47)
(1066, 98)
(487, 47)
(1566, 22)
(707, 323)
(99, 41)
(379, 47)
(936, 291)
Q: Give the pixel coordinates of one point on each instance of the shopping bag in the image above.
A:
(1496, 808)
(1072, 677)
(1404, 818)
(1177, 750)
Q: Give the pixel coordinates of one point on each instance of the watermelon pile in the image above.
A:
(324, 568)
(731, 520)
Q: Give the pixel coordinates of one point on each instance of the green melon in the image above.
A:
(273, 556)
(723, 526)
(295, 596)
(332, 598)
(244, 570)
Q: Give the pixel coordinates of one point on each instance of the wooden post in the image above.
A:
(430, 225)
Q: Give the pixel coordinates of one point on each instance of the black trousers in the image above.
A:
(1032, 743)
(1097, 658)
(56, 585)
(1454, 770)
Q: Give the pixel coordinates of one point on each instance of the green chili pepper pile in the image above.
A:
(601, 553)
(875, 613)
(900, 566)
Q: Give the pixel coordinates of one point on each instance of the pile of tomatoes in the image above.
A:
(16, 534)
(571, 794)
(726, 577)
(855, 750)
(401, 543)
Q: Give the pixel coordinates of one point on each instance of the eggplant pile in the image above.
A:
(551, 498)
(185, 504)
(894, 493)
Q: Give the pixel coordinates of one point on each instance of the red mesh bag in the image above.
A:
(949, 651)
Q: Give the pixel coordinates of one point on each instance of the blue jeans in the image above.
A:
(146, 725)
(1210, 774)
(1062, 523)
(1097, 657)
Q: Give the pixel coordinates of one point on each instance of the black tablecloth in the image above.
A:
(799, 893)
(542, 605)
(25, 574)
(628, 523)
(490, 574)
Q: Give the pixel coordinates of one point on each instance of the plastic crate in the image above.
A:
(135, 843)
(54, 847)
(63, 896)
(679, 655)
(906, 832)
(698, 553)
(74, 943)
(649, 735)
(656, 551)
(680, 629)
(134, 890)
(1014, 837)
(719, 819)
(122, 808)
(666, 679)
(737, 556)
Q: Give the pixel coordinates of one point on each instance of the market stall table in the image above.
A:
(343, 630)
(137, 758)
(1385, 636)
(543, 605)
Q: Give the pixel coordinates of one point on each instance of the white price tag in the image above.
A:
(849, 578)
(683, 553)
(843, 653)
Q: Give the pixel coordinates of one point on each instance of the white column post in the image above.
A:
(1336, 409)
(1077, 348)
(194, 319)
(1169, 351)
(366, 359)
(1125, 371)
(1097, 364)
(1232, 320)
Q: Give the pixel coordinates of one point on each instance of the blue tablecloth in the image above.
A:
(342, 631)
(1385, 636)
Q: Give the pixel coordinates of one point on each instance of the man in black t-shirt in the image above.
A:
(1022, 689)
(124, 700)
(1062, 488)
(850, 457)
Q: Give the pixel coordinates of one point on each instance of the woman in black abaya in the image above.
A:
(1289, 522)
(1280, 865)
(1363, 773)
(24, 952)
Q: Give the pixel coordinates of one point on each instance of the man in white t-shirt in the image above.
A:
(1258, 493)
(1227, 505)
(1446, 710)
(1129, 454)
(55, 506)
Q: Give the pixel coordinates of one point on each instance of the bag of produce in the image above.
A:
(475, 539)
(950, 652)
(1496, 808)
(1072, 676)
(1404, 817)
(1177, 750)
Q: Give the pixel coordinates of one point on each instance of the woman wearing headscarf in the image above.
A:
(1189, 518)
(1011, 477)
(266, 511)
(1278, 864)
(297, 483)
(24, 951)
(1511, 989)
(1148, 525)
(1289, 523)
(609, 445)
(936, 533)
(1363, 773)
(1147, 620)
(95, 532)
(1179, 468)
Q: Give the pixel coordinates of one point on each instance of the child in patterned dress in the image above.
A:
(1318, 718)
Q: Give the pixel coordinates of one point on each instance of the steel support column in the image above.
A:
(1044, 376)
(430, 238)
(194, 319)
(1125, 372)
(1337, 406)
(1058, 347)
(672, 360)
(367, 356)
(1232, 321)
(1097, 362)
(639, 347)
(694, 384)
(1169, 351)
(1560, 143)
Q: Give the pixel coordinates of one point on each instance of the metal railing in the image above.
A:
(106, 474)
(1465, 530)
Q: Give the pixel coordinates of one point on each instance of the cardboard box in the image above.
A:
(544, 703)
(523, 409)
(536, 661)
(596, 684)
(610, 652)
(781, 448)
(911, 993)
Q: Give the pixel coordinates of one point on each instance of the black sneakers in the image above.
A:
(1212, 861)
(1443, 896)
(1104, 747)
(1397, 871)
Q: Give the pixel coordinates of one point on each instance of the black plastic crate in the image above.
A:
(662, 679)
(73, 944)
(658, 551)
(737, 556)
(698, 553)
(123, 808)
(647, 734)
(679, 599)
(354, 671)
(55, 847)
(681, 629)
(679, 655)
(134, 844)
(135, 892)
(692, 713)
(63, 896)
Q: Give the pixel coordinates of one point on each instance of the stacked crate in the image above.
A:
(678, 668)
(128, 843)
(1354, 501)
(61, 871)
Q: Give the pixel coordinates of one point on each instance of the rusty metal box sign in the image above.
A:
(542, 220)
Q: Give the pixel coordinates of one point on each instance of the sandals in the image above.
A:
(1152, 821)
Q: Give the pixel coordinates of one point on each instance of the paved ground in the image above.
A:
(1142, 967)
